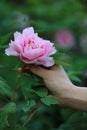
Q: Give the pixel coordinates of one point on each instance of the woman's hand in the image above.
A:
(59, 84)
(55, 79)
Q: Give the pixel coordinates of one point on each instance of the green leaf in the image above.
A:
(48, 100)
(3, 119)
(9, 108)
(4, 88)
(26, 106)
(5, 38)
(61, 63)
(25, 84)
(12, 119)
(24, 80)
(75, 117)
(41, 92)
(17, 127)
(57, 55)
(4, 112)
(75, 78)
(57, 58)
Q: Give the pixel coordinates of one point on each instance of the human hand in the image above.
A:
(59, 84)
(55, 79)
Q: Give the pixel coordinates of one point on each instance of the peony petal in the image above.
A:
(33, 53)
(16, 47)
(17, 36)
(28, 31)
(26, 60)
(10, 51)
(46, 61)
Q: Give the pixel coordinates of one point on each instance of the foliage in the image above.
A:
(24, 101)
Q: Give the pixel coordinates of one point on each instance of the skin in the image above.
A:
(57, 81)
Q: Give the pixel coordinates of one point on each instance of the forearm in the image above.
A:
(61, 87)
(75, 98)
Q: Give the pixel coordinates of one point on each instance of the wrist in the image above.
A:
(67, 95)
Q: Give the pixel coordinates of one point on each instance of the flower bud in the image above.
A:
(20, 70)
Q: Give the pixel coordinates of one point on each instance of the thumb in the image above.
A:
(40, 71)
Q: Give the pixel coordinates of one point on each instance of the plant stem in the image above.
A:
(31, 114)
(14, 90)
(13, 95)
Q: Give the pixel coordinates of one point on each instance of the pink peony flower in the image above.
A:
(31, 48)
(65, 39)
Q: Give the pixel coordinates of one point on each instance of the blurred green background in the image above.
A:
(64, 22)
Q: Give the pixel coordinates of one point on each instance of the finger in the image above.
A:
(60, 70)
(40, 71)
(55, 67)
